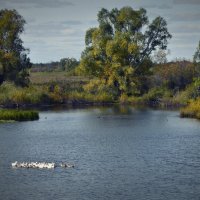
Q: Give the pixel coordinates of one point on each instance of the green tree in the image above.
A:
(13, 56)
(174, 76)
(118, 50)
(196, 60)
(68, 64)
(196, 57)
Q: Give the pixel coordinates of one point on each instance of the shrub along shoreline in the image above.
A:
(34, 97)
(12, 96)
(192, 110)
(187, 110)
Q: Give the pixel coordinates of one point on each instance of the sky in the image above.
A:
(56, 29)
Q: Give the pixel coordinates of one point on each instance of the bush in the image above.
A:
(12, 95)
(192, 110)
(191, 92)
(155, 95)
(101, 97)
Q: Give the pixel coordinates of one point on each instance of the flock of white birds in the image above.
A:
(40, 165)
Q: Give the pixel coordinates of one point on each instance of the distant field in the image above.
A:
(59, 77)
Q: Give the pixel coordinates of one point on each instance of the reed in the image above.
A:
(18, 115)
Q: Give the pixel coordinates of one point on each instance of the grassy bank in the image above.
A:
(192, 110)
(42, 78)
(18, 115)
(35, 95)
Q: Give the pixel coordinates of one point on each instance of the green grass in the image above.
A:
(18, 115)
(39, 78)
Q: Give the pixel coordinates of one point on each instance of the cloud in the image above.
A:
(52, 29)
(44, 29)
(185, 16)
(190, 36)
(158, 5)
(71, 22)
(92, 22)
(165, 6)
(36, 3)
(186, 29)
(191, 2)
(30, 20)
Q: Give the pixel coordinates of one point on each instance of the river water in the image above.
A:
(120, 153)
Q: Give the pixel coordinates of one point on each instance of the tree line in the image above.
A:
(125, 55)
(65, 64)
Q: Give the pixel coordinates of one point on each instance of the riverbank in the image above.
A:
(35, 96)
(53, 94)
(11, 112)
(85, 102)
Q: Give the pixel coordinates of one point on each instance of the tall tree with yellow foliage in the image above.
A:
(118, 50)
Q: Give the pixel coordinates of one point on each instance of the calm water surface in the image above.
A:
(119, 153)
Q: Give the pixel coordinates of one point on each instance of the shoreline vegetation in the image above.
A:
(54, 94)
(50, 93)
(70, 92)
(18, 115)
(124, 62)
(192, 110)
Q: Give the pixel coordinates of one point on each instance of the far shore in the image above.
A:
(82, 103)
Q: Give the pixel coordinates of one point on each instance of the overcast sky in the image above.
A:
(56, 28)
